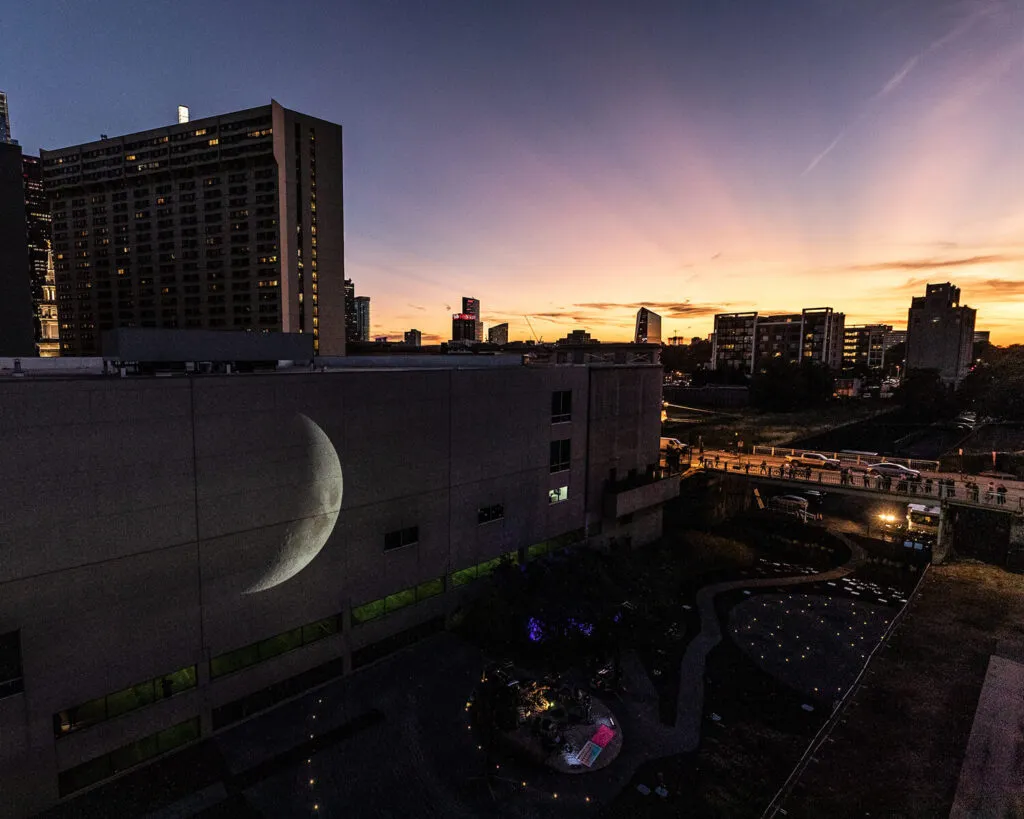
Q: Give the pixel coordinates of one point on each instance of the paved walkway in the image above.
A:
(690, 702)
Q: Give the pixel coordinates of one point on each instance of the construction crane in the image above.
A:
(538, 339)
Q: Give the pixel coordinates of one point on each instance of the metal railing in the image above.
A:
(958, 489)
(850, 457)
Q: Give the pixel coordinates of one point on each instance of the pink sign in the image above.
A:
(602, 736)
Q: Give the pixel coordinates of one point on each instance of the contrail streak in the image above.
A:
(894, 82)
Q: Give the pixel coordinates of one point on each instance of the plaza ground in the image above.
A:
(394, 739)
(899, 748)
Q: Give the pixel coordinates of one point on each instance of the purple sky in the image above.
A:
(571, 161)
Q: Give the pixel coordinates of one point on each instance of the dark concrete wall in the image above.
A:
(135, 512)
(16, 330)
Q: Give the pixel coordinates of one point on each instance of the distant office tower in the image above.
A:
(467, 328)
(498, 334)
(864, 346)
(362, 318)
(351, 320)
(16, 337)
(40, 260)
(578, 337)
(940, 333)
(982, 336)
(414, 338)
(648, 327)
(5, 120)
(742, 339)
(228, 222)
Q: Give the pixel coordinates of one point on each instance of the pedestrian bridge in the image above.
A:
(962, 490)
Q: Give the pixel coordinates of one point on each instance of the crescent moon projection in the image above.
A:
(321, 504)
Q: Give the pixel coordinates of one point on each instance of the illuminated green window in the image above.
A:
(127, 756)
(537, 550)
(368, 611)
(280, 643)
(121, 702)
(320, 629)
(431, 588)
(464, 576)
(488, 566)
(236, 660)
(399, 600)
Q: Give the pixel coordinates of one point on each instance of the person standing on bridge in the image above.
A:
(1001, 495)
(990, 492)
(764, 466)
(716, 460)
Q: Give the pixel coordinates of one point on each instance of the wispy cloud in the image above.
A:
(937, 264)
(669, 309)
(417, 307)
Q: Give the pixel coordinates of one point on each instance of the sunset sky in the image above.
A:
(574, 161)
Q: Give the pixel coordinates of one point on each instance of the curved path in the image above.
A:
(690, 702)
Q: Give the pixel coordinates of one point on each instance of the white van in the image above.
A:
(673, 445)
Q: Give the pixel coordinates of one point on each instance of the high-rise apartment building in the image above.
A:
(16, 338)
(351, 329)
(5, 120)
(414, 338)
(732, 342)
(864, 347)
(498, 334)
(741, 340)
(940, 333)
(648, 327)
(40, 260)
(228, 222)
(982, 336)
(362, 318)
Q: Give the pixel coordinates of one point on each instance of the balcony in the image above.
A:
(636, 492)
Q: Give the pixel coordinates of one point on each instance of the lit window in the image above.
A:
(558, 495)
(213, 141)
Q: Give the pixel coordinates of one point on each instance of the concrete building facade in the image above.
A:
(222, 542)
(940, 333)
(228, 222)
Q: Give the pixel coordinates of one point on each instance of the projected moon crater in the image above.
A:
(319, 503)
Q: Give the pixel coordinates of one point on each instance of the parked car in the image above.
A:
(789, 505)
(890, 470)
(814, 459)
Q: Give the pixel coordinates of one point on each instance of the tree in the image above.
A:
(782, 386)
(923, 394)
(687, 359)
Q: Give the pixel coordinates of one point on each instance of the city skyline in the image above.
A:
(575, 167)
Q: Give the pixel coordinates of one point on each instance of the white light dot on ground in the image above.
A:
(832, 632)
